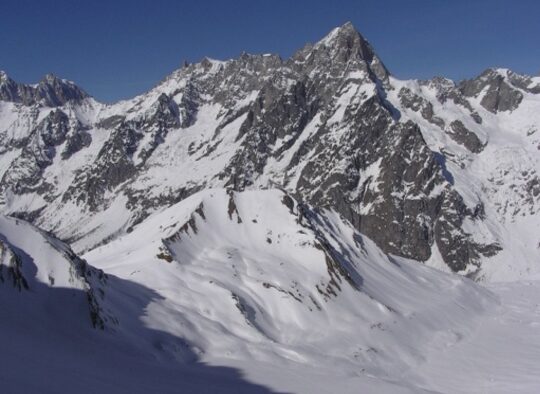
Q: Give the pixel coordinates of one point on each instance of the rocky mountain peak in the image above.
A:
(50, 78)
(439, 82)
(345, 31)
(9, 89)
(347, 42)
(53, 91)
(259, 60)
(497, 93)
(343, 47)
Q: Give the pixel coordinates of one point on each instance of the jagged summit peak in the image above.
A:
(494, 72)
(246, 56)
(497, 75)
(342, 45)
(52, 79)
(501, 73)
(347, 29)
(49, 77)
(439, 81)
(3, 75)
(347, 26)
(53, 91)
(210, 64)
(345, 34)
(501, 70)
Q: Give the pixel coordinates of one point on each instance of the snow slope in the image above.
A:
(255, 277)
(500, 356)
(33, 265)
(50, 340)
(253, 292)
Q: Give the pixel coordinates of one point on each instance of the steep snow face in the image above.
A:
(434, 171)
(35, 268)
(257, 276)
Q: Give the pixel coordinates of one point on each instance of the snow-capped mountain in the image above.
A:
(279, 221)
(434, 171)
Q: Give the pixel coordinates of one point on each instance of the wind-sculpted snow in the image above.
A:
(435, 171)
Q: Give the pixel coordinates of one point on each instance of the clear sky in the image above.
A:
(116, 49)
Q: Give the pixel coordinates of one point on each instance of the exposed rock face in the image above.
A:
(465, 137)
(25, 172)
(10, 268)
(419, 104)
(499, 96)
(112, 166)
(330, 125)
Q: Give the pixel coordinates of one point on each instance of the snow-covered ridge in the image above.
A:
(35, 264)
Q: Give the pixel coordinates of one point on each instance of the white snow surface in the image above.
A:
(54, 269)
(237, 310)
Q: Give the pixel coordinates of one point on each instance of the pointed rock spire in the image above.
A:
(50, 91)
(343, 45)
(347, 41)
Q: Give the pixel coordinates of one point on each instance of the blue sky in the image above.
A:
(116, 49)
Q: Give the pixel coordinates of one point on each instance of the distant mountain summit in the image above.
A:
(50, 91)
(441, 172)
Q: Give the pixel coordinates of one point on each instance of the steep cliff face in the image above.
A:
(430, 170)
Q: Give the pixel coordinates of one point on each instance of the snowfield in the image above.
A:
(254, 292)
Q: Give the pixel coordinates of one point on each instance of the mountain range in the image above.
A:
(309, 211)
